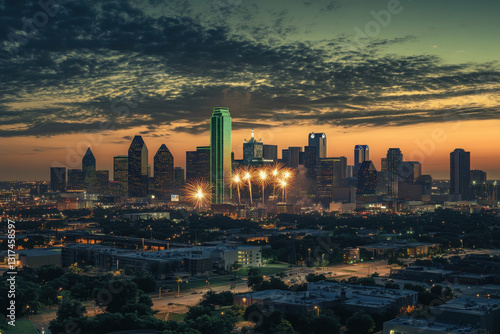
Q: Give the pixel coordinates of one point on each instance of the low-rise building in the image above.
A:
(373, 300)
(407, 325)
(481, 312)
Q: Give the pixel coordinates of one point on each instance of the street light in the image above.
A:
(237, 181)
(263, 177)
(317, 309)
(248, 178)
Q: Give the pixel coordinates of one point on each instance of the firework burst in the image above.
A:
(198, 193)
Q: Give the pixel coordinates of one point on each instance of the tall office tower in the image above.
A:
(120, 173)
(220, 155)
(310, 162)
(460, 174)
(383, 165)
(163, 171)
(75, 179)
(339, 170)
(318, 140)
(291, 156)
(57, 179)
(367, 178)
(477, 176)
(178, 178)
(198, 164)
(394, 160)
(410, 171)
(479, 189)
(102, 181)
(361, 154)
(270, 152)
(137, 168)
(330, 172)
(89, 170)
(252, 150)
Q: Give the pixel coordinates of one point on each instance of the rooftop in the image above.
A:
(471, 305)
(424, 324)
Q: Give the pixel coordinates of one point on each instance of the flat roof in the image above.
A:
(425, 324)
(471, 305)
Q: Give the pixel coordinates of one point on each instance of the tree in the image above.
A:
(325, 324)
(49, 273)
(391, 285)
(315, 278)
(197, 311)
(48, 295)
(116, 295)
(254, 278)
(360, 323)
(215, 324)
(437, 290)
(70, 309)
(145, 282)
(367, 281)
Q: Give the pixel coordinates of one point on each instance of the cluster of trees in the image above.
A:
(256, 282)
(125, 307)
(46, 285)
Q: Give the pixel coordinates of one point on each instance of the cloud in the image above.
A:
(113, 65)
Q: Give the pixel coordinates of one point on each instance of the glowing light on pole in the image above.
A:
(275, 175)
(248, 177)
(263, 179)
(283, 185)
(237, 182)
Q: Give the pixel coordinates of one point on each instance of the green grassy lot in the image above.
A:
(22, 327)
(177, 316)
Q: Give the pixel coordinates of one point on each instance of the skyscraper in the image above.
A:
(318, 140)
(270, 152)
(137, 168)
(460, 174)
(178, 178)
(58, 179)
(410, 171)
(220, 155)
(102, 181)
(478, 176)
(75, 179)
(89, 170)
(291, 156)
(252, 150)
(367, 178)
(394, 160)
(330, 172)
(310, 162)
(120, 173)
(163, 171)
(361, 154)
(198, 164)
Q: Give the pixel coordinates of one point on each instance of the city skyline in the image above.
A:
(105, 162)
(382, 76)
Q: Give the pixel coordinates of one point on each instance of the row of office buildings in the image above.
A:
(167, 263)
(321, 178)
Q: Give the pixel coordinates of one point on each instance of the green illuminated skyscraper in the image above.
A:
(220, 155)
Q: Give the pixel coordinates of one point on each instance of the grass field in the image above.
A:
(22, 327)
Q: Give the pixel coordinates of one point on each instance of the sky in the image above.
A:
(421, 75)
